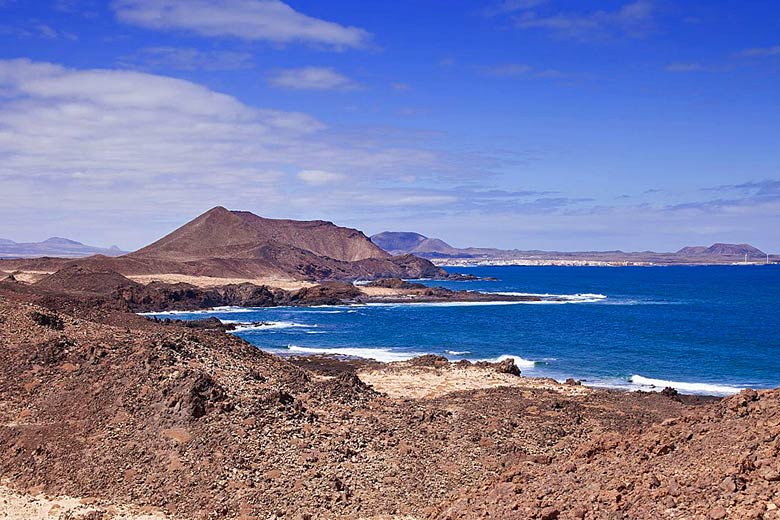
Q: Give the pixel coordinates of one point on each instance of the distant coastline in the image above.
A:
(441, 253)
(498, 262)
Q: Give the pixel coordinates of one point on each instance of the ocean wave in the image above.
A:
(457, 352)
(682, 386)
(521, 362)
(556, 298)
(223, 310)
(385, 355)
(453, 304)
(268, 325)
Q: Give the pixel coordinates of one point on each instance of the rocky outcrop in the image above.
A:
(395, 283)
(78, 279)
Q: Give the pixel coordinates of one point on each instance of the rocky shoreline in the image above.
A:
(113, 289)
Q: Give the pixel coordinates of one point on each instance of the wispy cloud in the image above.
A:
(634, 19)
(510, 6)
(685, 67)
(513, 70)
(36, 29)
(760, 52)
(763, 188)
(311, 78)
(267, 20)
(319, 177)
(507, 70)
(182, 58)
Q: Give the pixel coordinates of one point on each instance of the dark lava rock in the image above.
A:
(670, 392)
(51, 321)
(429, 360)
(395, 283)
(508, 366)
(347, 388)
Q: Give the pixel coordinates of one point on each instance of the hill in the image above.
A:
(55, 246)
(400, 243)
(239, 245)
(220, 233)
(720, 250)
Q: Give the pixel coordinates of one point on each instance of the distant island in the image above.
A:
(56, 247)
(441, 253)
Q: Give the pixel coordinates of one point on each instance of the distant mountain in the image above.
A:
(392, 241)
(438, 250)
(413, 243)
(722, 250)
(54, 247)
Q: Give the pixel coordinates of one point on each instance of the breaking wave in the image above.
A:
(693, 388)
(379, 354)
(521, 362)
(557, 298)
(225, 310)
(266, 325)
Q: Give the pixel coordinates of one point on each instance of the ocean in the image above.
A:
(703, 330)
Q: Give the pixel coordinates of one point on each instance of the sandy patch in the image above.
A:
(431, 382)
(23, 506)
(30, 276)
(209, 281)
(383, 291)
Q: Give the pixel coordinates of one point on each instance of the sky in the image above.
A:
(530, 124)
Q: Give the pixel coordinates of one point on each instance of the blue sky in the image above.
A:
(536, 124)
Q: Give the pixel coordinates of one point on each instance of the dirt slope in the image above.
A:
(199, 424)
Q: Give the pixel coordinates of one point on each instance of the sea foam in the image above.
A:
(379, 354)
(222, 310)
(521, 362)
(267, 325)
(556, 298)
(682, 386)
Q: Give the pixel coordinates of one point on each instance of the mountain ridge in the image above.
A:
(437, 249)
(54, 247)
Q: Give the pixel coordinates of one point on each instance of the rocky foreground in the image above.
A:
(177, 422)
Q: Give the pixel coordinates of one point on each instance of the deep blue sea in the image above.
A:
(709, 330)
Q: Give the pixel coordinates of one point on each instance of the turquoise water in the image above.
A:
(710, 330)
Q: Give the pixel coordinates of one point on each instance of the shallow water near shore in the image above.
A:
(705, 330)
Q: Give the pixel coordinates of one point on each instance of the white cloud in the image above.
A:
(318, 177)
(267, 20)
(111, 147)
(311, 78)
